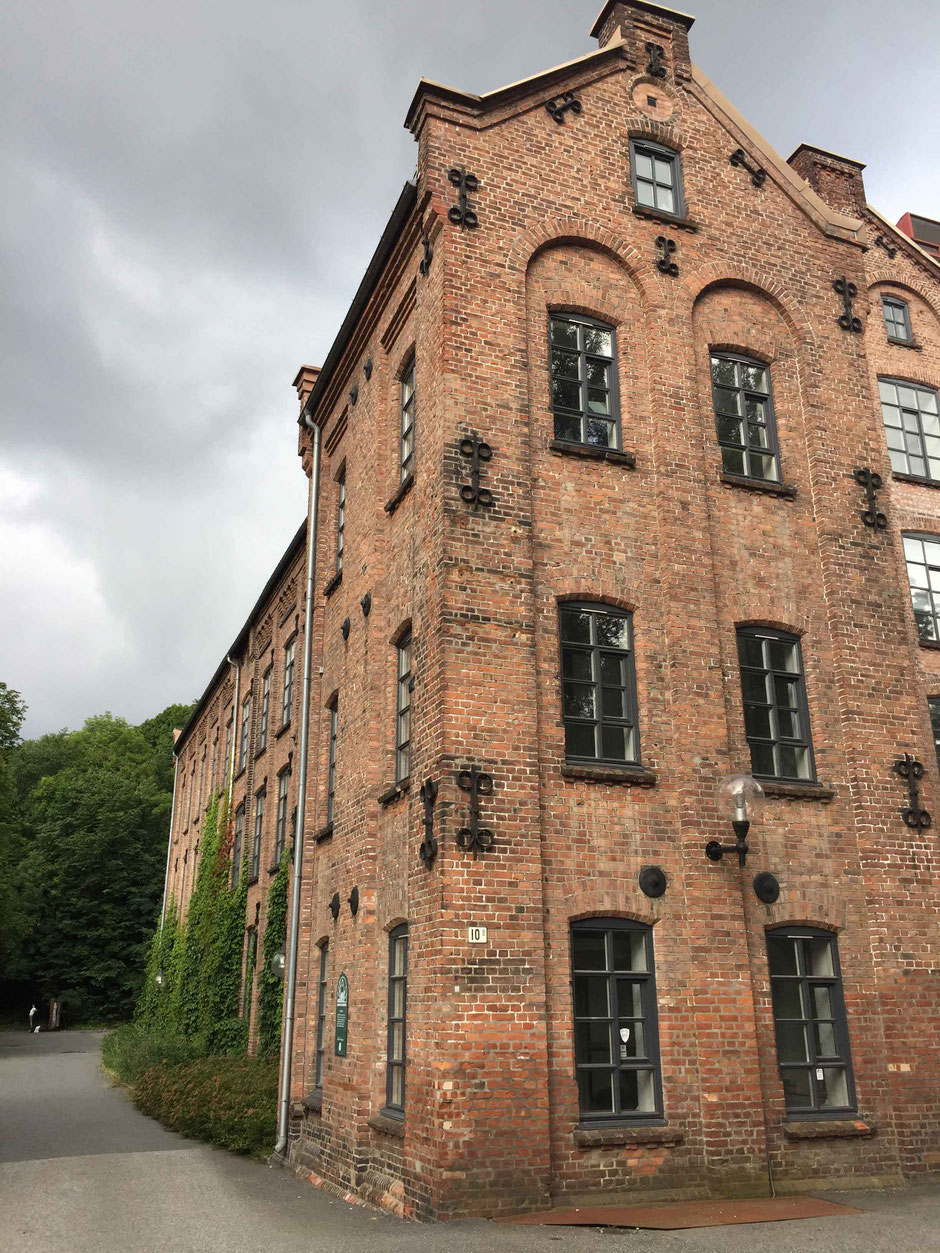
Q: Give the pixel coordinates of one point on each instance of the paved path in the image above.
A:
(81, 1171)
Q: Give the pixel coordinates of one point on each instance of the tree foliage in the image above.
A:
(270, 985)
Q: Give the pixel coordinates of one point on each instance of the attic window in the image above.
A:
(657, 177)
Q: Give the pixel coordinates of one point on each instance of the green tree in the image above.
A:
(12, 713)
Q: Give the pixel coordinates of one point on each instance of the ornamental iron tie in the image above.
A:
(462, 213)
(848, 291)
(479, 452)
(559, 106)
(655, 67)
(428, 850)
(911, 770)
(664, 263)
(872, 483)
(883, 243)
(757, 172)
(474, 837)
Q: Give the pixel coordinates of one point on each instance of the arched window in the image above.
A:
(598, 682)
(809, 1019)
(321, 1017)
(615, 1026)
(656, 174)
(897, 316)
(912, 428)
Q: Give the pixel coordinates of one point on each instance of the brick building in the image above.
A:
(626, 462)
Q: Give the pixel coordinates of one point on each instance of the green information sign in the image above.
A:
(342, 1015)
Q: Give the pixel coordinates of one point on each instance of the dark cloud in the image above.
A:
(191, 194)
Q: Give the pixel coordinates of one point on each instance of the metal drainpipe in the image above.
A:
(169, 843)
(231, 760)
(287, 1037)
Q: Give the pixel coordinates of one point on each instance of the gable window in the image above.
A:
(340, 521)
(288, 696)
(897, 316)
(407, 453)
(933, 704)
(251, 960)
(243, 737)
(265, 708)
(776, 717)
(280, 824)
(331, 763)
(809, 1019)
(656, 174)
(912, 427)
(583, 381)
(259, 825)
(237, 843)
(403, 718)
(922, 554)
(744, 416)
(321, 1019)
(598, 684)
(616, 1035)
(397, 1004)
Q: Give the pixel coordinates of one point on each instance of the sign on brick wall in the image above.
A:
(342, 1015)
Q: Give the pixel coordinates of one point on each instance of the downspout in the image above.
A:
(231, 760)
(169, 844)
(287, 1036)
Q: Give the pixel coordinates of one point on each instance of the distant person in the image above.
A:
(33, 1025)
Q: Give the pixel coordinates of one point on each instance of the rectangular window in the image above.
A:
(265, 708)
(922, 554)
(583, 374)
(280, 825)
(933, 704)
(407, 456)
(251, 960)
(259, 825)
(237, 845)
(321, 1020)
(397, 1002)
(288, 697)
(615, 1027)
(776, 717)
(243, 737)
(897, 318)
(331, 763)
(340, 521)
(228, 751)
(809, 1018)
(657, 177)
(403, 721)
(215, 761)
(598, 684)
(744, 416)
(912, 427)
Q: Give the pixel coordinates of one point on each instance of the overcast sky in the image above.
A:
(191, 190)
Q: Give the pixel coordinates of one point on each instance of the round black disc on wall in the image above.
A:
(653, 880)
(766, 887)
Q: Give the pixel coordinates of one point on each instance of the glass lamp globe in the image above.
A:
(741, 797)
(278, 963)
(158, 978)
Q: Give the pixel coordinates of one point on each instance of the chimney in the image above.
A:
(307, 376)
(656, 39)
(835, 179)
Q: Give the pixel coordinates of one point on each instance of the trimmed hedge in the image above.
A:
(229, 1101)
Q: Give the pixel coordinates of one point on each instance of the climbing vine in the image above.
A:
(270, 985)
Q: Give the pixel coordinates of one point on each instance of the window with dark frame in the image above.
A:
(265, 709)
(583, 378)
(229, 731)
(215, 760)
(397, 1007)
(922, 555)
(933, 704)
(256, 845)
(656, 174)
(744, 417)
(809, 1019)
(280, 823)
(251, 960)
(616, 1031)
(340, 521)
(407, 453)
(331, 762)
(403, 716)
(897, 316)
(243, 737)
(912, 427)
(287, 700)
(237, 844)
(321, 1018)
(598, 682)
(776, 716)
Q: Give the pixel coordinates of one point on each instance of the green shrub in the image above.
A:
(128, 1051)
(229, 1101)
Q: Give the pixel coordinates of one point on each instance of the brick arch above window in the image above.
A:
(397, 920)
(694, 284)
(668, 134)
(612, 906)
(527, 247)
(596, 597)
(905, 286)
(401, 631)
(791, 626)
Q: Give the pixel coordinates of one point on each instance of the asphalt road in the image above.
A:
(81, 1171)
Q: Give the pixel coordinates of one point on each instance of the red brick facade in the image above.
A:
(491, 1113)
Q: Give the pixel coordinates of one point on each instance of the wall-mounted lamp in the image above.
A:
(742, 798)
(159, 979)
(279, 964)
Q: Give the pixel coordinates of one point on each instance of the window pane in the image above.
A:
(644, 193)
(723, 371)
(662, 172)
(588, 950)
(579, 740)
(612, 669)
(750, 650)
(630, 994)
(614, 743)
(593, 1042)
(565, 364)
(826, 1040)
(597, 400)
(575, 664)
(794, 762)
(832, 1089)
(568, 427)
(631, 1042)
(788, 724)
(396, 1043)
(727, 402)
(796, 1089)
(788, 998)
(398, 998)
(598, 373)
(928, 401)
(578, 700)
(636, 1091)
(644, 166)
(564, 334)
(754, 377)
(757, 436)
(575, 626)
(783, 656)
(600, 434)
(397, 1086)
(754, 686)
(757, 721)
(732, 461)
(729, 430)
(764, 467)
(629, 954)
(791, 1042)
(612, 702)
(597, 342)
(888, 392)
(613, 631)
(597, 1091)
(665, 200)
(782, 954)
(822, 1002)
(566, 394)
(762, 759)
(817, 956)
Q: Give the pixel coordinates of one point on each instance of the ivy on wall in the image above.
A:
(271, 985)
